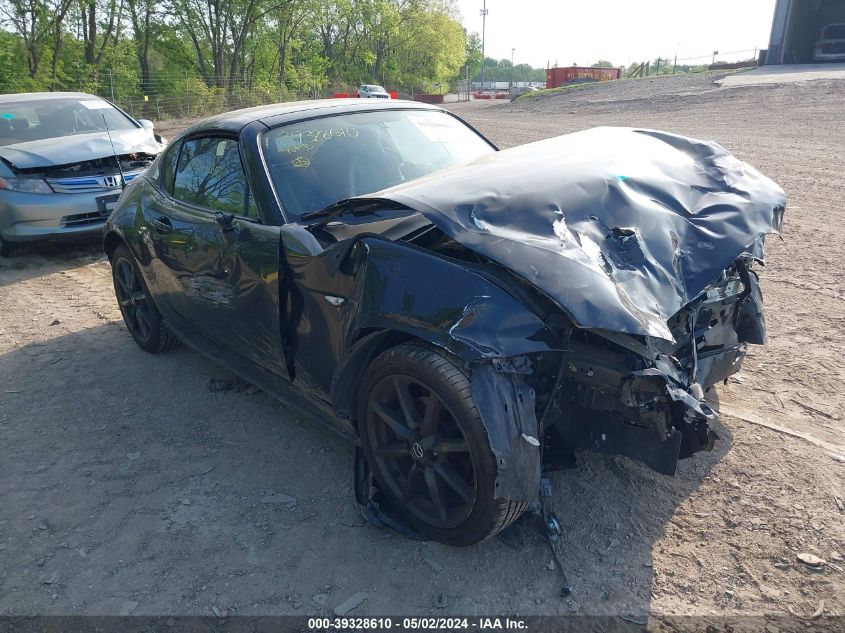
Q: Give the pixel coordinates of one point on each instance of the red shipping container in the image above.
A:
(557, 77)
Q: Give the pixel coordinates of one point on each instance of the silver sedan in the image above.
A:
(59, 170)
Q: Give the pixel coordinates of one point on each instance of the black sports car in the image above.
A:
(466, 316)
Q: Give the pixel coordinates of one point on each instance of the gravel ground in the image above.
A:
(139, 484)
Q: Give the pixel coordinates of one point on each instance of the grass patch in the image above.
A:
(553, 91)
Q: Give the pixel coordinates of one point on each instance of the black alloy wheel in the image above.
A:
(133, 299)
(428, 448)
(421, 451)
(137, 306)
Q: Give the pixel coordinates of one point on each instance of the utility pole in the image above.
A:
(675, 64)
(510, 89)
(469, 87)
(483, 33)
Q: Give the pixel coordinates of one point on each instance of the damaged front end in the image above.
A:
(647, 398)
(643, 397)
(639, 258)
(91, 175)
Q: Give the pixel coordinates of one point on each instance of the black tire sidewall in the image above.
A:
(151, 344)
(425, 365)
(6, 248)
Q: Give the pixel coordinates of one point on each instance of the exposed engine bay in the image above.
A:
(106, 165)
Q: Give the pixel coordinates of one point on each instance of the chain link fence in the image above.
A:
(167, 97)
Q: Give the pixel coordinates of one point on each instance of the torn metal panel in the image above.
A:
(470, 317)
(394, 295)
(621, 227)
(614, 401)
(507, 409)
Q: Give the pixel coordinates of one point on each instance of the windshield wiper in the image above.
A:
(355, 206)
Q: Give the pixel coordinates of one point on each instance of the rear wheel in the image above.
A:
(428, 449)
(140, 314)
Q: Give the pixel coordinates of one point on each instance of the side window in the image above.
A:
(209, 174)
(165, 167)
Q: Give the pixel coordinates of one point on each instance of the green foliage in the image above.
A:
(473, 53)
(193, 53)
(434, 52)
(500, 70)
(553, 91)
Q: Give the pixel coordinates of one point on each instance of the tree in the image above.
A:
(30, 21)
(142, 14)
(473, 52)
(218, 30)
(160, 47)
(602, 63)
(288, 18)
(90, 13)
(433, 51)
(59, 10)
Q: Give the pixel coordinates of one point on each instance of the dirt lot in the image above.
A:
(136, 484)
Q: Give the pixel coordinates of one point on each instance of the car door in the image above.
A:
(218, 260)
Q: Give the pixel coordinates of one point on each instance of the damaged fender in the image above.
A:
(507, 408)
(398, 289)
(448, 303)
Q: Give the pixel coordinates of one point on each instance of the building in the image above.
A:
(796, 27)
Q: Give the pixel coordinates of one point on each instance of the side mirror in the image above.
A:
(146, 124)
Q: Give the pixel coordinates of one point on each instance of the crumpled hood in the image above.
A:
(66, 150)
(621, 227)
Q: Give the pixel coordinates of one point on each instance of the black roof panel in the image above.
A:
(278, 113)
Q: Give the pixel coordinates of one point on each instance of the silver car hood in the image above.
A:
(66, 150)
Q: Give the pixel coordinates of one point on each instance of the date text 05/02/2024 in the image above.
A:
(417, 624)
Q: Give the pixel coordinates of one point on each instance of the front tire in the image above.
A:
(140, 314)
(428, 449)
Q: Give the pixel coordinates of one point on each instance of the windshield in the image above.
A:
(39, 119)
(316, 163)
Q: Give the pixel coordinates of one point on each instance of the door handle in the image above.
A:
(162, 224)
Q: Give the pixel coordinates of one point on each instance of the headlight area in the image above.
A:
(644, 397)
(612, 400)
(25, 185)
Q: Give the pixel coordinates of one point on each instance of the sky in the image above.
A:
(621, 31)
